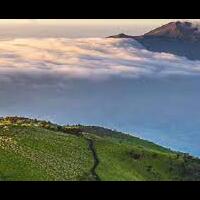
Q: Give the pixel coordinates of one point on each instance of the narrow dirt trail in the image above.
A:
(96, 160)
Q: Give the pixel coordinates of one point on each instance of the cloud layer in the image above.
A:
(48, 79)
(93, 58)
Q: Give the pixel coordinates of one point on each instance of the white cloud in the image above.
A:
(92, 58)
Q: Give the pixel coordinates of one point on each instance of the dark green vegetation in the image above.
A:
(39, 150)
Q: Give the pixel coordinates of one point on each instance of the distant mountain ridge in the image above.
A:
(177, 30)
(179, 38)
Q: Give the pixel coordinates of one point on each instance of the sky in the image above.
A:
(74, 28)
(84, 21)
(90, 21)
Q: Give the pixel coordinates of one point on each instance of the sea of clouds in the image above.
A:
(52, 59)
(115, 83)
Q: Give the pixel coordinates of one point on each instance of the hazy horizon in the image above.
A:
(79, 28)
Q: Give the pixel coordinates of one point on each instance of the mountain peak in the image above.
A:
(121, 35)
(179, 38)
(176, 30)
(173, 30)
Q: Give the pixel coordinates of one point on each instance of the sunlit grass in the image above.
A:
(39, 150)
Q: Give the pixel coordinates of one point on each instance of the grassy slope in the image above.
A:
(34, 153)
(35, 150)
(123, 157)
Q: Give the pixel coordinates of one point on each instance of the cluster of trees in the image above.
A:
(14, 119)
(76, 129)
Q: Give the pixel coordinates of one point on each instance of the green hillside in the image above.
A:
(39, 150)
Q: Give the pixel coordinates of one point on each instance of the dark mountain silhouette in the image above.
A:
(176, 30)
(121, 35)
(179, 38)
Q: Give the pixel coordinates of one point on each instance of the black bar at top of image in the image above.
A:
(99, 10)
